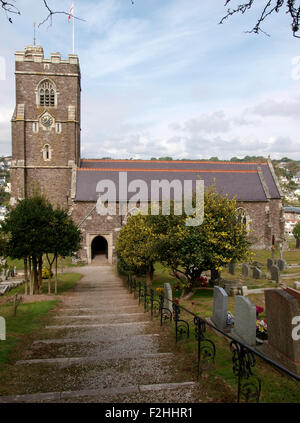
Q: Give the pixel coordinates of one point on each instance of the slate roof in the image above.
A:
(237, 179)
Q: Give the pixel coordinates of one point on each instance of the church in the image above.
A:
(46, 139)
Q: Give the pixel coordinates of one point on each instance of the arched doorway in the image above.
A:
(99, 248)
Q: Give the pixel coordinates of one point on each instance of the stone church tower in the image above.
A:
(45, 125)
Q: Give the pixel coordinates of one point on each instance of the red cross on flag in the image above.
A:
(71, 12)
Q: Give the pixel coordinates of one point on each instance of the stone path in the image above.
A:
(99, 348)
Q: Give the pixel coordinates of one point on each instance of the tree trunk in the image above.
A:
(49, 281)
(40, 274)
(55, 289)
(30, 277)
(35, 275)
(26, 275)
(297, 242)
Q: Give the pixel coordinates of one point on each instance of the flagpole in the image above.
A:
(73, 30)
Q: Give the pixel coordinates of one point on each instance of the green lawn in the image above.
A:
(30, 318)
(66, 281)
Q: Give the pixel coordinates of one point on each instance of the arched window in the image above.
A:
(47, 94)
(243, 217)
(47, 152)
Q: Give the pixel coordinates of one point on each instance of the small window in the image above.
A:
(35, 127)
(47, 152)
(47, 94)
(58, 128)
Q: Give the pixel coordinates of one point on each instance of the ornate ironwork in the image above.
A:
(249, 385)
(140, 291)
(181, 326)
(146, 299)
(206, 347)
(154, 303)
(165, 313)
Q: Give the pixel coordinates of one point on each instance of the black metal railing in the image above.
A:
(243, 356)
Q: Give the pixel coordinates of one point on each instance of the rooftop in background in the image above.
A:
(292, 209)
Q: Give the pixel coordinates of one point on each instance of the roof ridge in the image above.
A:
(99, 169)
(173, 161)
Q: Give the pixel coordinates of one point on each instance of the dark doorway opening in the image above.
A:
(99, 247)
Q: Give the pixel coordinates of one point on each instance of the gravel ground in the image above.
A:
(100, 320)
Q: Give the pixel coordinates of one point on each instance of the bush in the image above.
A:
(46, 273)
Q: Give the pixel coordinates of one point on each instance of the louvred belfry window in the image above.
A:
(47, 94)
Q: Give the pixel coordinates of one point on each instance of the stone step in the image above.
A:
(100, 325)
(99, 316)
(96, 393)
(70, 361)
(87, 340)
(97, 346)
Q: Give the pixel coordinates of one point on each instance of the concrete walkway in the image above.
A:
(99, 348)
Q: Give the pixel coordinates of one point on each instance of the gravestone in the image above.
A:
(244, 320)
(168, 294)
(231, 268)
(2, 329)
(275, 273)
(270, 263)
(246, 270)
(281, 264)
(297, 286)
(281, 308)
(257, 273)
(220, 307)
(3, 289)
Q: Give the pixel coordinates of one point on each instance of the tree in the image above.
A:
(35, 229)
(296, 233)
(189, 250)
(28, 228)
(135, 246)
(269, 7)
(65, 240)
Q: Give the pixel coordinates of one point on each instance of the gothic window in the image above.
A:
(47, 152)
(47, 94)
(243, 217)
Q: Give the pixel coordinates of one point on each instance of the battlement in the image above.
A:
(36, 54)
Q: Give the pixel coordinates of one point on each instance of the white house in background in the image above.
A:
(292, 217)
(8, 187)
(3, 213)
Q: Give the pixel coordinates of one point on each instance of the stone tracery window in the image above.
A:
(243, 217)
(47, 94)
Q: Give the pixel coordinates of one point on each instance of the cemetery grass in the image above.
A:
(29, 319)
(65, 282)
(219, 384)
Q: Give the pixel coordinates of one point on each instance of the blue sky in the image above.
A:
(162, 78)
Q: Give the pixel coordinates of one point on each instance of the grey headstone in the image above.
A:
(168, 294)
(275, 273)
(281, 308)
(297, 286)
(246, 270)
(2, 329)
(3, 289)
(220, 307)
(281, 264)
(245, 320)
(270, 263)
(231, 268)
(257, 273)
